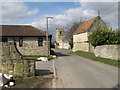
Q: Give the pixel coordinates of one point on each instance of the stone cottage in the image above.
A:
(29, 40)
(61, 41)
(80, 37)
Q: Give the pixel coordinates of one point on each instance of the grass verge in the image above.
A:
(91, 55)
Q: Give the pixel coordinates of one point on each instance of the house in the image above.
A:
(61, 41)
(29, 40)
(80, 37)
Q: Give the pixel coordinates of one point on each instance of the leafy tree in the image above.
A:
(118, 36)
(104, 36)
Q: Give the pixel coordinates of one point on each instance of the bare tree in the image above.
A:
(71, 28)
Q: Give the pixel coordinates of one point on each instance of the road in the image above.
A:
(78, 72)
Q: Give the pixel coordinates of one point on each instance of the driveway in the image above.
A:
(78, 72)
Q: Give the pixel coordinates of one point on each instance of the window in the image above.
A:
(40, 41)
(3, 39)
(60, 32)
(20, 42)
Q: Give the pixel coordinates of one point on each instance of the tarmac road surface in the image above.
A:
(78, 72)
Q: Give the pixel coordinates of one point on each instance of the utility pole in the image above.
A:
(47, 44)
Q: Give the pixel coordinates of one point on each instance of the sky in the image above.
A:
(63, 13)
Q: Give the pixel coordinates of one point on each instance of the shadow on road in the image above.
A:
(117, 87)
(39, 72)
(60, 54)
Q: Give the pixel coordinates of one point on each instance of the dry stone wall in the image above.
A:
(108, 51)
(13, 62)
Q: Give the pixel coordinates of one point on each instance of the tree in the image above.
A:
(70, 29)
(118, 35)
(104, 36)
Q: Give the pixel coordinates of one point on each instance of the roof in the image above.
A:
(21, 30)
(85, 26)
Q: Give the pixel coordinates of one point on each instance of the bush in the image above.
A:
(118, 36)
(104, 36)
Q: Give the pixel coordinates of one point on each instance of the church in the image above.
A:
(61, 41)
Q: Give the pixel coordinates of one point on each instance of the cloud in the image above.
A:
(109, 13)
(13, 11)
(65, 18)
(108, 10)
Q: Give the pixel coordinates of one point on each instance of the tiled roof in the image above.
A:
(85, 26)
(21, 30)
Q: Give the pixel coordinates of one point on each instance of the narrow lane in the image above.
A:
(78, 72)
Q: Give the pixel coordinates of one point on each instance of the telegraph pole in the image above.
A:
(47, 44)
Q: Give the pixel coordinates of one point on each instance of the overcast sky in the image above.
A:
(35, 13)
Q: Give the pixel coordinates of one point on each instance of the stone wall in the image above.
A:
(91, 48)
(108, 51)
(13, 62)
(30, 46)
(97, 23)
(80, 42)
(80, 37)
(84, 46)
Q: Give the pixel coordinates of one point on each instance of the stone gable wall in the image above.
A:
(97, 23)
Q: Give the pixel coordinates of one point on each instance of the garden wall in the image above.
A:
(108, 51)
(14, 63)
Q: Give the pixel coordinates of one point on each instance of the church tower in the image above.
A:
(59, 34)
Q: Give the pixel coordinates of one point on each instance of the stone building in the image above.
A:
(12, 62)
(80, 37)
(61, 41)
(29, 40)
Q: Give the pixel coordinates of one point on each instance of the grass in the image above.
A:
(91, 55)
(35, 57)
